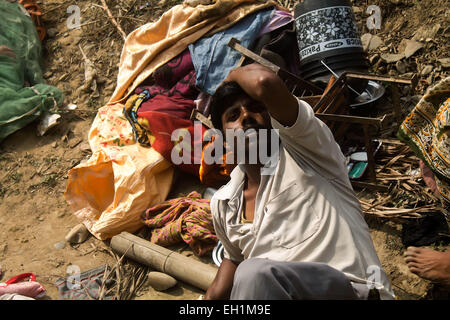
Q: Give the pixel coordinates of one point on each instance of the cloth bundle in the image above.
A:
(24, 95)
(185, 219)
(426, 130)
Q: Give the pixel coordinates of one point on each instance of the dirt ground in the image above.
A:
(33, 170)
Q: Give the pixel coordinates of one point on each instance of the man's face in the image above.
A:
(246, 113)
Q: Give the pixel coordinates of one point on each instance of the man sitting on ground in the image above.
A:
(298, 233)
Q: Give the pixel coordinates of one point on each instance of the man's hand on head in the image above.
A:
(263, 85)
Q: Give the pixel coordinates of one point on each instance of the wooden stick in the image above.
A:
(105, 7)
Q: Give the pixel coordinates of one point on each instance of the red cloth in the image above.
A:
(171, 102)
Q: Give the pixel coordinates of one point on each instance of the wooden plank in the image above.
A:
(283, 74)
(351, 119)
(378, 78)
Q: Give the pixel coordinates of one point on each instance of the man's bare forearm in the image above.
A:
(222, 285)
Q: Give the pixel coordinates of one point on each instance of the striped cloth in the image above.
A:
(185, 219)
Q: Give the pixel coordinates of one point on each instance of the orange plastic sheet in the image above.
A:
(121, 179)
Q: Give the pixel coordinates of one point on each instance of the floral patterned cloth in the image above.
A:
(185, 219)
(426, 131)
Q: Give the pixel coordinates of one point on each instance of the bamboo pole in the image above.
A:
(162, 259)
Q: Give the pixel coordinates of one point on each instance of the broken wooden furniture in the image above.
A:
(332, 105)
(327, 109)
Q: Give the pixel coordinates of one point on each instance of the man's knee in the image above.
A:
(252, 270)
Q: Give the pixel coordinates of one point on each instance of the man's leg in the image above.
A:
(264, 279)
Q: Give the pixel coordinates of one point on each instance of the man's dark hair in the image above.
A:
(225, 95)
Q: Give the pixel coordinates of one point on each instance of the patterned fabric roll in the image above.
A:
(185, 219)
(426, 130)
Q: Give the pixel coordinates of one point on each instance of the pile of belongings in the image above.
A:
(24, 95)
(168, 68)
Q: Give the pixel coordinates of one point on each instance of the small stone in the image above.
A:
(370, 42)
(78, 234)
(391, 57)
(161, 281)
(54, 144)
(365, 39)
(409, 47)
(52, 32)
(41, 218)
(400, 66)
(61, 214)
(426, 70)
(59, 245)
(375, 42)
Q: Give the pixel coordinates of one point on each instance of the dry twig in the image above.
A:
(409, 197)
(113, 20)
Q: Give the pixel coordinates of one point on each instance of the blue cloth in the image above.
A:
(213, 59)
